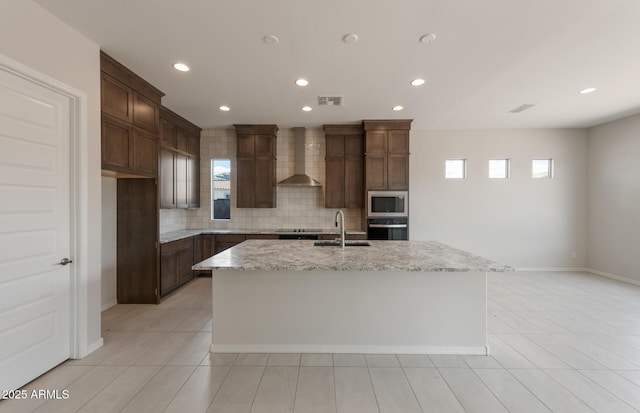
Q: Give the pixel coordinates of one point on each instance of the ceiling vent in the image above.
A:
(329, 100)
(522, 108)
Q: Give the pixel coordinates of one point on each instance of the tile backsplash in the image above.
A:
(297, 207)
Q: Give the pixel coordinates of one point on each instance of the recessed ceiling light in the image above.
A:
(307, 108)
(350, 38)
(417, 82)
(224, 108)
(428, 38)
(270, 39)
(181, 67)
(588, 90)
(302, 82)
(398, 107)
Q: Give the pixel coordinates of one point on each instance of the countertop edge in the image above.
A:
(302, 256)
(177, 235)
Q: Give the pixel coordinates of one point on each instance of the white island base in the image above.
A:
(395, 312)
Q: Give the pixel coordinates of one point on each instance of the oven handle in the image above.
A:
(387, 225)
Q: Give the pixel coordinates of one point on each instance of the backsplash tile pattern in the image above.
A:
(296, 207)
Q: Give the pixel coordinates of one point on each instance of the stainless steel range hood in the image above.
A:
(299, 178)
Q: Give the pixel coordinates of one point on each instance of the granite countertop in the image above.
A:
(186, 233)
(302, 255)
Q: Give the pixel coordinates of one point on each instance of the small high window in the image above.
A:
(455, 168)
(498, 168)
(542, 168)
(220, 189)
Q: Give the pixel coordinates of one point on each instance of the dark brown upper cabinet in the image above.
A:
(179, 161)
(386, 154)
(116, 98)
(344, 183)
(256, 166)
(130, 121)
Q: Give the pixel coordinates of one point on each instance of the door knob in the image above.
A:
(65, 261)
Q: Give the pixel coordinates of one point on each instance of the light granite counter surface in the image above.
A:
(186, 233)
(302, 255)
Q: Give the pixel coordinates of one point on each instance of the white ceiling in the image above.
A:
(490, 56)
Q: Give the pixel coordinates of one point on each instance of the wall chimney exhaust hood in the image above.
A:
(299, 177)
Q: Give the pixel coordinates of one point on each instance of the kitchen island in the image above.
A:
(401, 297)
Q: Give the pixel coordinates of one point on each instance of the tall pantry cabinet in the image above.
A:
(131, 152)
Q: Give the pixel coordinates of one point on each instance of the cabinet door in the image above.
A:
(181, 180)
(193, 145)
(185, 261)
(376, 172)
(167, 134)
(145, 113)
(263, 145)
(168, 272)
(245, 145)
(335, 146)
(353, 146)
(206, 247)
(376, 142)
(116, 98)
(353, 182)
(398, 142)
(264, 185)
(334, 195)
(181, 140)
(227, 241)
(398, 172)
(193, 182)
(145, 154)
(117, 145)
(353, 171)
(137, 234)
(167, 179)
(244, 182)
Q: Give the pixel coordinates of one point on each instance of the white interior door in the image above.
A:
(34, 229)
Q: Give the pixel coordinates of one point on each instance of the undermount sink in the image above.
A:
(337, 244)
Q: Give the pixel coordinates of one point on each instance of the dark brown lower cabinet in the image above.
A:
(262, 236)
(226, 241)
(351, 237)
(204, 246)
(176, 259)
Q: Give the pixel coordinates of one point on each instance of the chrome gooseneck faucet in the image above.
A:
(342, 231)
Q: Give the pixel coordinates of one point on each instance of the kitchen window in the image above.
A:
(542, 168)
(220, 189)
(498, 168)
(455, 168)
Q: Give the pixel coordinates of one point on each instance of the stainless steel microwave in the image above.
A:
(388, 204)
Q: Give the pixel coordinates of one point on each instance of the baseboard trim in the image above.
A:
(109, 305)
(92, 347)
(588, 270)
(551, 269)
(613, 276)
(464, 350)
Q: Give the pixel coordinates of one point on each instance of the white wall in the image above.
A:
(614, 198)
(109, 242)
(520, 221)
(35, 38)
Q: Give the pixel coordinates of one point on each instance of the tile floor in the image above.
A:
(560, 342)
